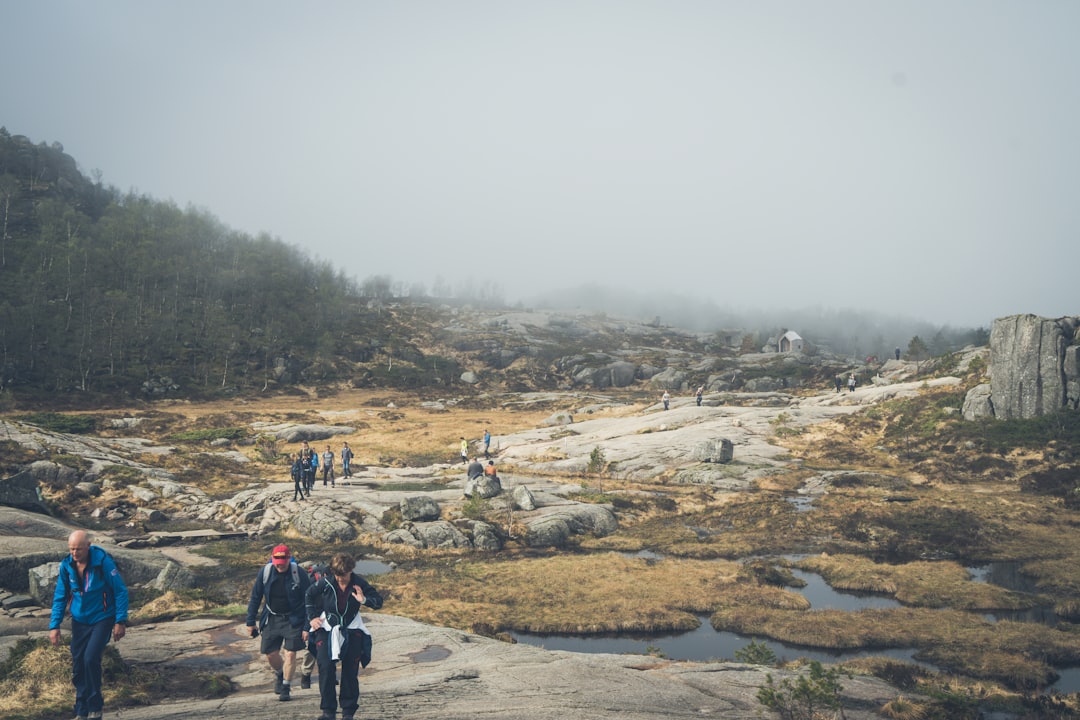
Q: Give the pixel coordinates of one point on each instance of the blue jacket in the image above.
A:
(260, 592)
(101, 595)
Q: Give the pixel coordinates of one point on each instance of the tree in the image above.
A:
(917, 351)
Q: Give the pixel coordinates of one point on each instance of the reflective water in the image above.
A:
(705, 643)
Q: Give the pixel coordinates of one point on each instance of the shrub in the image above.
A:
(806, 698)
(756, 654)
(58, 422)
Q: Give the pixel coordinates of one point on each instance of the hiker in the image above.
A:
(475, 469)
(667, 399)
(298, 478)
(839, 383)
(328, 467)
(464, 450)
(279, 587)
(91, 585)
(307, 456)
(307, 661)
(489, 470)
(346, 461)
(337, 633)
(699, 393)
(851, 382)
(487, 444)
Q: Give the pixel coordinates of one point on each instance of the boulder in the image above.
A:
(555, 529)
(670, 378)
(421, 508)
(439, 534)
(469, 377)
(1029, 364)
(523, 498)
(323, 524)
(977, 403)
(720, 450)
(484, 486)
(21, 491)
(559, 418)
(485, 536)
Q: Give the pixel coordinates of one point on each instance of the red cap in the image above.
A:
(281, 555)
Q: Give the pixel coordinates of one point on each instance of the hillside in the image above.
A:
(107, 295)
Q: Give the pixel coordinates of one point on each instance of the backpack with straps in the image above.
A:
(292, 566)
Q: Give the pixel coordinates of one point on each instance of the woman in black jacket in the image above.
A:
(338, 633)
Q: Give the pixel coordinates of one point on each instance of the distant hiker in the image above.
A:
(489, 470)
(487, 444)
(90, 585)
(464, 451)
(307, 456)
(328, 467)
(475, 469)
(338, 634)
(699, 393)
(279, 587)
(897, 353)
(346, 461)
(851, 383)
(298, 477)
(314, 470)
(667, 399)
(839, 383)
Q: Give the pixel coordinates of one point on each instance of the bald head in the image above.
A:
(79, 546)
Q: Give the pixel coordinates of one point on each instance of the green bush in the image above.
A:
(58, 422)
(208, 435)
(805, 699)
(756, 654)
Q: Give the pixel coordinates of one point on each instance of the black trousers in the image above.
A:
(349, 692)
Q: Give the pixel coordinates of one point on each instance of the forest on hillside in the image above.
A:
(106, 294)
(100, 291)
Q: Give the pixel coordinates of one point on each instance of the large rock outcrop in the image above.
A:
(1034, 366)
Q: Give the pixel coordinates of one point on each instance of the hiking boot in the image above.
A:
(324, 716)
(305, 682)
(79, 717)
(285, 694)
(94, 715)
(279, 683)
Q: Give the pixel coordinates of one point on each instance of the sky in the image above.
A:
(918, 158)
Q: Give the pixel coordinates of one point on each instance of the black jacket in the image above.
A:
(321, 598)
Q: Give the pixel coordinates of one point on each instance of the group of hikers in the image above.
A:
(306, 465)
(314, 611)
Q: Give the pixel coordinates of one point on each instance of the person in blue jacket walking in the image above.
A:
(91, 585)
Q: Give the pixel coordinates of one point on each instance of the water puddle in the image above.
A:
(432, 653)
(706, 644)
(371, 567)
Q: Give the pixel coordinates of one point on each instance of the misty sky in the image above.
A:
(919, 158)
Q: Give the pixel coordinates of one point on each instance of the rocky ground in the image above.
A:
(424, 671)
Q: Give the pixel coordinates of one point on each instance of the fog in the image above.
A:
(915, 159)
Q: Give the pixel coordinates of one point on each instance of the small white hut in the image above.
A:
(790, 341)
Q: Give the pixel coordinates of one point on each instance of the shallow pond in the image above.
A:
(705, 643)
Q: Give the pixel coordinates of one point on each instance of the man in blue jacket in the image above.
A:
(280, 587)
(91, 584)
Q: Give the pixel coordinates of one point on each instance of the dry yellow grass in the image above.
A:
(565, 594)
(928, 584)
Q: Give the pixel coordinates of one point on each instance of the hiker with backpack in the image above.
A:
(337, 633)
(307, 661)
(279, 588)
(90, 585)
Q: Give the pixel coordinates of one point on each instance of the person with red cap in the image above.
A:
(280, 587)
